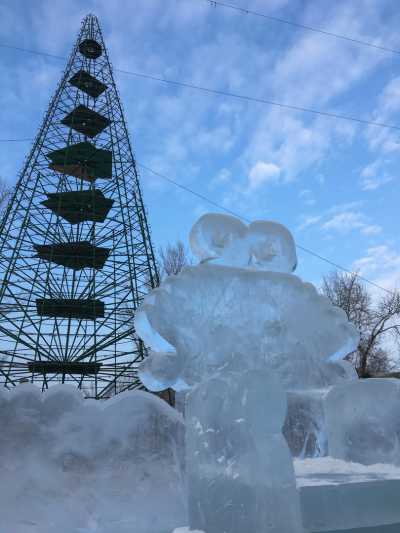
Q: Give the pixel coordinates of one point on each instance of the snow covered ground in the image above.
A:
(340, 496)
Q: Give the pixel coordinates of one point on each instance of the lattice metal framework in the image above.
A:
(75, 250)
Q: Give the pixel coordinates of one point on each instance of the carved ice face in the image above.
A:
(224, 239)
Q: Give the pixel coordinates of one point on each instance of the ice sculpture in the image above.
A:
(239, 469)
(305, 424)
(363, 421)
(255, 313)
(214, 328)
(73, 466)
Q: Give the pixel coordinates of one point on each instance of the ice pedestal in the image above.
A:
(239, 468)
(345, 497)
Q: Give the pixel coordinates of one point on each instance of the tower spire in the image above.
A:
(76, 256)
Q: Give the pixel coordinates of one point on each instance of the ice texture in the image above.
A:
(240, 471)
(214, 317)
(69, 465)
(231, 330)
(224, 239)
(304, 427)
(305, 424)
(363, 421)
(348, 497)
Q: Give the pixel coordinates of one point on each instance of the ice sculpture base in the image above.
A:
(348, 497)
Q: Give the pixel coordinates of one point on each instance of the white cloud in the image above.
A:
(349, 221)
(381, 264)
(378, 258)
(342, 219)
(309, 221)
(373, 176)
(372, 229)
(307, 196)
(262, 173)
(371, 184)
(386, 140)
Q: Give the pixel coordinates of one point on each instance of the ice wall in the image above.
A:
(69, 465)
(363, 421)
(305, 423)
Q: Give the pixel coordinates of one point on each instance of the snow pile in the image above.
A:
(69, 465)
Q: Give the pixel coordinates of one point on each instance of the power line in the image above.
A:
(262, 100)
(245, 11)
(29, 51)
(234, 213)
(215, 91)
(245, 219)
(14, 140)
(237, 96)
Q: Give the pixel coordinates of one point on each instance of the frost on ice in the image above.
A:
(70, 465)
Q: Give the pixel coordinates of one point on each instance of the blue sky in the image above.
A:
(334, 183)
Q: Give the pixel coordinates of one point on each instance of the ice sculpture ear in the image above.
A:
(220, 238)
(272, 247)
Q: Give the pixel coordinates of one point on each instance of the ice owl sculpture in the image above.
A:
(231, 330)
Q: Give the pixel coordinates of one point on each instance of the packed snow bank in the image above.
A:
(73, 466)
(330, 471)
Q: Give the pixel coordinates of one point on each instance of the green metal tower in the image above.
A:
(75, 250)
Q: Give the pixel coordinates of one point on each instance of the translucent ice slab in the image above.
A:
(69, 465)
(348, 497)
(363, 421)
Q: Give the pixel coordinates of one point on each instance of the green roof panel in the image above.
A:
(87, 83)
(79, 206)
(82, 160)
(86, 121)
(67, 308)
(76, 255)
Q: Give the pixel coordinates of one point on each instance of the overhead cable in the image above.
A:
(237, 96)
(245, 219)
(245, 11)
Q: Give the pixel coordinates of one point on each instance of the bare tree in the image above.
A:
(375, 320)
(173, 258)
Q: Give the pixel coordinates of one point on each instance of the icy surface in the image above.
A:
(219, 317)
(231, 330)
(224, 239)
(363, 421)
(69, 465)
(344, 496)
(304, 427)
(240, 471)
(330, 471)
